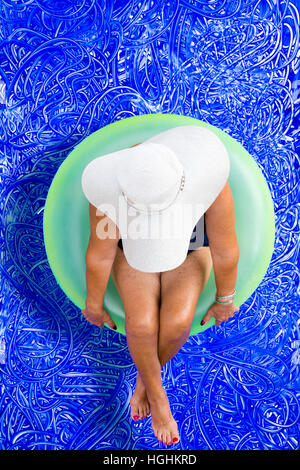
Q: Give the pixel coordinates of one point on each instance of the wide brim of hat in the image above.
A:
(158, 241)
(206, 165)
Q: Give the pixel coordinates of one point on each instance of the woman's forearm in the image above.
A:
(97, 276)
(225, 271)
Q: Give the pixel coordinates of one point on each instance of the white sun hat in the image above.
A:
(156, 192)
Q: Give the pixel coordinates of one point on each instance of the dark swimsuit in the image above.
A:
(205, 243)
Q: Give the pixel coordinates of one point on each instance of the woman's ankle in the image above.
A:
(139, 384)
(156, 395)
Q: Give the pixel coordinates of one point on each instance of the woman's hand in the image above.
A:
(220, 312)
(98, 317)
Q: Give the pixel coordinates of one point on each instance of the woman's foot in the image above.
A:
(163, 424)
(140, 406)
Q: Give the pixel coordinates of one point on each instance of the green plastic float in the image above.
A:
(66, 216)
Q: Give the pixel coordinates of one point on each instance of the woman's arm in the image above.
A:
(220, 227)
(99, 258)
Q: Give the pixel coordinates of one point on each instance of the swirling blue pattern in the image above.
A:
(69, 68)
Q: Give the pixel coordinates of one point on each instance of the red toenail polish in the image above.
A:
(135, 417)
(175, 439)
(169, 443)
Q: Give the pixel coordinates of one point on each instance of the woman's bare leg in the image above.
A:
(140, 293)
(180, 291)
(181, 288)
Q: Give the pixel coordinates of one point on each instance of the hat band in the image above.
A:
(168, 204)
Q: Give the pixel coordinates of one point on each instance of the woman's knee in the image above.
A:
(176, 322)
(144, 326)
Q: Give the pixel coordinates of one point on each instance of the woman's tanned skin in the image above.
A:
(160, 307)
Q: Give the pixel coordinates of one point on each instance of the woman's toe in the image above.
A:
(134, 413)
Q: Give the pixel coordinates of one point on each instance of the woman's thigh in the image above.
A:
(140, 294)
(181, 288)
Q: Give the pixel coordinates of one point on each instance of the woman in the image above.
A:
(160, 305)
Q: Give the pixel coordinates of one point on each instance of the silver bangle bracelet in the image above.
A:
(227, 296)
(224, 303)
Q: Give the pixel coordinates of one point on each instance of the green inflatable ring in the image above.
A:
(66, 218)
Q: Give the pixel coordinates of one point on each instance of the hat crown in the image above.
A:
(150, 175)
